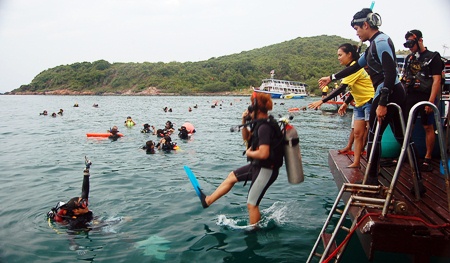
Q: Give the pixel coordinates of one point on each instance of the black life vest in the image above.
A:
(418, 74)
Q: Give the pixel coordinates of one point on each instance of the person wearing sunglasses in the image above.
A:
(75, 213)
(422, 76)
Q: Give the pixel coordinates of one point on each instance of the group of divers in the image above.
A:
(165, 142)
(54, 114)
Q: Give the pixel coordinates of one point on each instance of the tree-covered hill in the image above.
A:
(301, 59)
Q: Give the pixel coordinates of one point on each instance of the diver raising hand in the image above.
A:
(75, 213)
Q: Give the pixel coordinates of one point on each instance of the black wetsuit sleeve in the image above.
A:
(85, 187)
(335, 93)
(349, 99)
(390, 74)
(348, 71)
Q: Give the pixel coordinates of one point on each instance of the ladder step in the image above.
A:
(326, 239)
(345, 228)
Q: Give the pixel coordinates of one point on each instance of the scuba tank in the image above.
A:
(292, 155)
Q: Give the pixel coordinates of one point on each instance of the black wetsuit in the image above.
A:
(379, 57)
(80, 221)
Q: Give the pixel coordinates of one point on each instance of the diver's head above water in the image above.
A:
(77, 206)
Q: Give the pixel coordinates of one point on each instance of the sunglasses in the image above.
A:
(409, 43)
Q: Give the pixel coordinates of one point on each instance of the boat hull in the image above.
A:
(282, 89)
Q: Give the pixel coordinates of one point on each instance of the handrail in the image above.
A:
(441, 147)
(400, 160)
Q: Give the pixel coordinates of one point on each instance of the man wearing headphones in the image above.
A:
(380, 60)
(422, 80)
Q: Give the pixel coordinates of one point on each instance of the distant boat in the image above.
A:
(282, 88)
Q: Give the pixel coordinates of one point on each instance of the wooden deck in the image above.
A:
(401, 235)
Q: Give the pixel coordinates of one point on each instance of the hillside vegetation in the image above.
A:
(301, 59)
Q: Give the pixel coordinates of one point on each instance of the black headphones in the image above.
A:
(373, 19)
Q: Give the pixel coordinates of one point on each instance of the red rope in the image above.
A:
(347, 238)
(349, 235)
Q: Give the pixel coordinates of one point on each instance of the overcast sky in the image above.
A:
(38, 35)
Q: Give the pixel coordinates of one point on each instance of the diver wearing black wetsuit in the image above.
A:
(75, 213)
(379, 58)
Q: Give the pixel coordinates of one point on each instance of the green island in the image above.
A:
(302, 59)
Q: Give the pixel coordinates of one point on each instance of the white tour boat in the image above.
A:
(282, 88)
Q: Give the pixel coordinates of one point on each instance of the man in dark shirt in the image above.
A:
(422, 80)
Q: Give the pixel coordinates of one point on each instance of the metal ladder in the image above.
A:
(354, 200)
(385, 202)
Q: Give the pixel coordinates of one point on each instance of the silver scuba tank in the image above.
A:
(292, 155)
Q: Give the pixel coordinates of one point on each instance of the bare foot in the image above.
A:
(353, 165)
(343, 150)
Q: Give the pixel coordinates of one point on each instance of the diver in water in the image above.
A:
(183, 133)
(75, 213)
(149, 147)
(168, 128)
(166, 144)
(129, 122)
(148, 129)
(114, 133)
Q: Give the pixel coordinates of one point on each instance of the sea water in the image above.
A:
(149, 208)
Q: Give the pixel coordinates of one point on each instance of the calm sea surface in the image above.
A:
(42, 159)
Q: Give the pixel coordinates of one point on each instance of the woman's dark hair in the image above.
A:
(349, 48)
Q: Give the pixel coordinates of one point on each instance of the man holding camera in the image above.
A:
(422, 81)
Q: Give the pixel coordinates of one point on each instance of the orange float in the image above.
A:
(102, 134)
